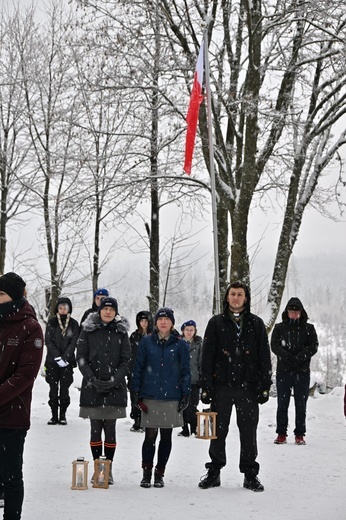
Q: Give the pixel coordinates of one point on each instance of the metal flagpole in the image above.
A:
(212, 173)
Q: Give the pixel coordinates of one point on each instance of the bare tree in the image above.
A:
(51, 108)
(135, 30)
(278, 76)
(14, 172)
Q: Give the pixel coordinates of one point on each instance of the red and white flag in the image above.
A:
(196, 99)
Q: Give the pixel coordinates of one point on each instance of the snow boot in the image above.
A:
(62, 418)
(146, 480)
(211, 479)
(281, 439)
(54, 419)
(158, 478)
(185, 431)
(137, 425)
(253, 483)
(300, 440)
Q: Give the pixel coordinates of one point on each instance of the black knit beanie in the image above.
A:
(13, 285)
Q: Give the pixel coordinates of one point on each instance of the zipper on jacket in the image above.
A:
(2, 351)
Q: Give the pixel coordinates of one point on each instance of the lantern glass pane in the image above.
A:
(101, 474)
(80, 475)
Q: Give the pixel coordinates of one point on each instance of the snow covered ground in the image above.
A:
(301, 482)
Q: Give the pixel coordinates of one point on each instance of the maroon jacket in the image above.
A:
(21, 342)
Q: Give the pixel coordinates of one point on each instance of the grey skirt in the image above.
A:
(161, 414)
(102, 412)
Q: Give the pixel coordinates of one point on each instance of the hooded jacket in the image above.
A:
(162, 369)
(294, 342)
(57, 344)
(103, 352)
(136, 336)
(233, 358)
(21, 347)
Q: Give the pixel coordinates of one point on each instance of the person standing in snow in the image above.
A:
(236, 371)
(98, 295)
(61, 339)
(294, 342)
(103, 356)
(21, 347)
(144, 322)
(194, 343)
(160, 388)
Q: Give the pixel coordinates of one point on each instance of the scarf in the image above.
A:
(63, 324)
(9, 308)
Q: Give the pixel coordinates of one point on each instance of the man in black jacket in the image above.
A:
(236, 370)
(294, 342)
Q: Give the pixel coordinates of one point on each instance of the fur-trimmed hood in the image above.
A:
(94, 322)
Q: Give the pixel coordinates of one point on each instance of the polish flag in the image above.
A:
(196, 99)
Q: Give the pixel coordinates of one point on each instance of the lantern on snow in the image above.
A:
(80, 474)
(101, 473)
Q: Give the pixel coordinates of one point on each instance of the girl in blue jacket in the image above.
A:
(161, 388)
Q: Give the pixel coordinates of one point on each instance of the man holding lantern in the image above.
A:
(236, 371)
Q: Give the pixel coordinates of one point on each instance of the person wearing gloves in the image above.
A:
(103, 356)
(294, 342)
(194, 342)
(236, 371)
(161, 388)
(21, 348)
(61, 339)
(98, 295)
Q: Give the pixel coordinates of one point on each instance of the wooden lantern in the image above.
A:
(102, 468)
(206, 425)
(80, 474)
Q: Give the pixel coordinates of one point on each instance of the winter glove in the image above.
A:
(183, 403)
(206, 396)
(106, 385)
(263, 396)
(61, 362)
(99, 385)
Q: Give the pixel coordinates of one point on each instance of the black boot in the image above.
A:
(185, 431)
(211, 479)
(158, 478)
(54, 419)
(253, 483)
(146, 480)
(62, 418)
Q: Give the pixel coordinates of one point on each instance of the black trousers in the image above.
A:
(245, 402)
(285, 382)
(11, 471)
(59, 380)
(189, 414)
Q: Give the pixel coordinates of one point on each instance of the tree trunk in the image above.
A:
(154, 239)
(3, 219)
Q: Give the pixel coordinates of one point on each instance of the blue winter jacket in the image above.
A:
(162, 370)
